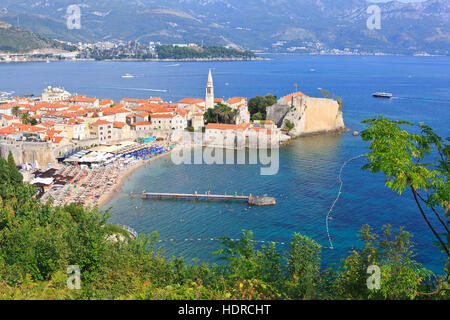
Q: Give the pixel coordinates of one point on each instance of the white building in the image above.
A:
(101, 130)
(226, 135)
(51, 94)
(168, 122)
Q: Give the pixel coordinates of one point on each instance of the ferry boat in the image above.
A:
(382, 95)
(127, 76)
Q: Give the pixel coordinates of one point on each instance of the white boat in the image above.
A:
(127, 75)
(382, 95)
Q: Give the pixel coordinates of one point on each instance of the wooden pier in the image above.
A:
(252, 200)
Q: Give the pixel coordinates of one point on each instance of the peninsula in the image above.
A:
(76, 148)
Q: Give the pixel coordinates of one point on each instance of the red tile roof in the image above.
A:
(235, 100)
(119, 125)
(222, 126)
(191, 101)
(100, 122)
(141, 123)
(290, 96)
(162, 116)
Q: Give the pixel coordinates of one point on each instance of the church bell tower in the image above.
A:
(209, 97)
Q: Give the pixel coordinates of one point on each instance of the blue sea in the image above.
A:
(306, 184)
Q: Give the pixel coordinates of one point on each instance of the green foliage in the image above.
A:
(401, 276)
(18, 40)
(293, 275)
(220, 114)
(415, 161)
(16, 111)
(289, 124)
(213, 52)
(257, 106)
(304, 266)
(258, 116)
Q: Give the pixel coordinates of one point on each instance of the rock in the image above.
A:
(308, 115)
(261, 201)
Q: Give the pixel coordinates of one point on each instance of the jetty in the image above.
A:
(250, 199)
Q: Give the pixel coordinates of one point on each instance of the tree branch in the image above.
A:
(437, 214)
(428, 222)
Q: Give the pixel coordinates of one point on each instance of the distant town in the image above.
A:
(132, 50)
(155, 51)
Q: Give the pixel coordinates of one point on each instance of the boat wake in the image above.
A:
(139, 89)
(423, 99)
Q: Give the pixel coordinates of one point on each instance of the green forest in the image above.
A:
(204, 52)
(38, 242)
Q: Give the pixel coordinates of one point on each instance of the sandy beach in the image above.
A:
(108, 196)
(95, 187)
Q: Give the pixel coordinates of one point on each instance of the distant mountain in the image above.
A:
(250, 24)
(15, 40)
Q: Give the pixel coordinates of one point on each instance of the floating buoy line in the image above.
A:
(338, 196)
(218, 240)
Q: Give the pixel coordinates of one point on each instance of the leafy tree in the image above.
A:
(258, 116)
(259, 105)
(210, 116)
(418, 162)
(303, 263)
(220, 114)
(16, 111)
(205, 52)
(401, 276)
(15, 175)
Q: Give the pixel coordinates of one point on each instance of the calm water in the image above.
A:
(306, 184)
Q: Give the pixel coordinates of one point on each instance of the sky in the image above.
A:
(398, 0)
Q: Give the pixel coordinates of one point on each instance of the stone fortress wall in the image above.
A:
(308, 115)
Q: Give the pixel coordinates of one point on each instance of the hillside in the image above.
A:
(250, 24)
(18, 40)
